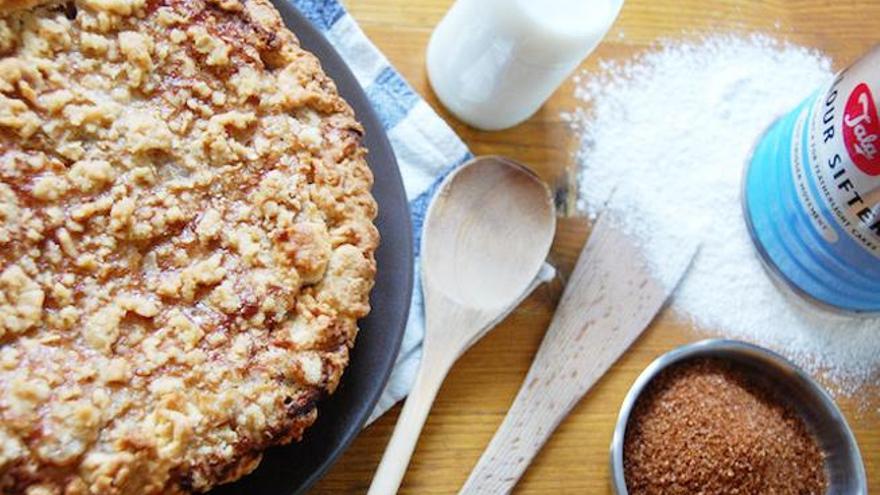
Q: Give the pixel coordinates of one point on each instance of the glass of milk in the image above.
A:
(493, 63)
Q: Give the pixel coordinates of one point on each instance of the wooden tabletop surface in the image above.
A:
(482, 385)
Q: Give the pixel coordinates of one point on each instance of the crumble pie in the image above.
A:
(186, 242)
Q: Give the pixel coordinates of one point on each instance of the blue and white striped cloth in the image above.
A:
(425, 146)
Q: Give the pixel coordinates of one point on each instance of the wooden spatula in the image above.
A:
(610, 299)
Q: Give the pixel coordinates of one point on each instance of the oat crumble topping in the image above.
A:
(186, 242)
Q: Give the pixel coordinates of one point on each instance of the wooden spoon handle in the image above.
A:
(610, 298)
(409, 425)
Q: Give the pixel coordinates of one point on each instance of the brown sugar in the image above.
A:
(704, 427)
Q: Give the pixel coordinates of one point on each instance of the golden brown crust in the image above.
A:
(8, 6)
(186, 242)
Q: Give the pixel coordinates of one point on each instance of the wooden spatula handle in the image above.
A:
(523, 432)
(545, 399)
(608, 301)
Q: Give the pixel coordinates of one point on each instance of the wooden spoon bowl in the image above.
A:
(485, 238)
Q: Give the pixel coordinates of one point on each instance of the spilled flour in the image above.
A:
(669, 134)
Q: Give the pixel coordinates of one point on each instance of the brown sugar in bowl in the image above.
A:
(781, 397)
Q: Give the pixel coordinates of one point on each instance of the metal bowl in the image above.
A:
(793, 386)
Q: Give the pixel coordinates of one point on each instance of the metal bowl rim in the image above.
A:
(750, 351)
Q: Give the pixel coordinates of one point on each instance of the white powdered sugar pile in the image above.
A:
(669, 134)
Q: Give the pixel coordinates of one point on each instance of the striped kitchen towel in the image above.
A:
(426, 149)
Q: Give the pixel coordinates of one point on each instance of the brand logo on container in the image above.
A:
(861, 130)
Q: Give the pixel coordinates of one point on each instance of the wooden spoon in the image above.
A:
(610, 298)
(486, 236)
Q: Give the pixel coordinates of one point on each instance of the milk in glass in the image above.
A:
(493, 63)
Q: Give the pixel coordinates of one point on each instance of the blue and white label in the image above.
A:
(812, 193)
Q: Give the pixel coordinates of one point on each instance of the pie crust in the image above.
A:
(186, 242)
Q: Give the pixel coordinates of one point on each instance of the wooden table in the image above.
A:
(482, 385)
